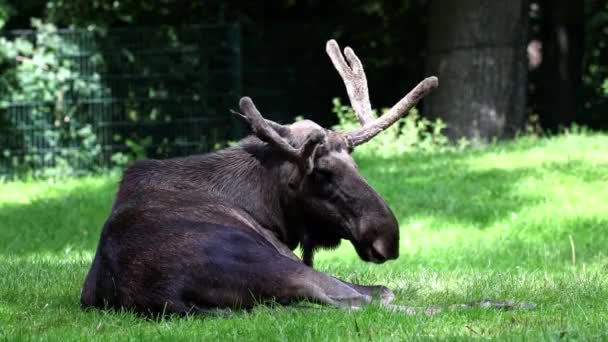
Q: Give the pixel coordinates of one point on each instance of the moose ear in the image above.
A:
(314, 139)
(309, 148)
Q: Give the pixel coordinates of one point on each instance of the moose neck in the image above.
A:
(249, 177)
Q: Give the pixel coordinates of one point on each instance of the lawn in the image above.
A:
(524, 221)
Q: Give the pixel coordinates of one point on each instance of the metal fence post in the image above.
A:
(237, 78)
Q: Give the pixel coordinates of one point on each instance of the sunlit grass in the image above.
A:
(524, 221)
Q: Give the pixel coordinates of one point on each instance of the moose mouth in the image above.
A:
(374, 253)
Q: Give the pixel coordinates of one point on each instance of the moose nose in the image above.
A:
(381, 251)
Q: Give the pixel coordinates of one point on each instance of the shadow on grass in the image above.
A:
(71, 221)
(586, 172)
(445, 187)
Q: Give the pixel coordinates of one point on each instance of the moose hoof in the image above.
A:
(356, 302)
(386, 295)
(360, 301)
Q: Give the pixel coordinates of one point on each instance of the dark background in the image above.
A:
(502, 64)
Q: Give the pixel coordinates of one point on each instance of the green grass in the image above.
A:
(489, 223)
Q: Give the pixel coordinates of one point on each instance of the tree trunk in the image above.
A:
(561, 69)
(477, 48)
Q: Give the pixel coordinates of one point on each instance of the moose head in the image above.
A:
(327, 196)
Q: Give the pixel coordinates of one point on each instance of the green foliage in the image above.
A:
(494, 222)
(73, 97)
(39, 70)
(136, 151)
(6, 11)
(40, 83)
(410, 133)
(595, 73)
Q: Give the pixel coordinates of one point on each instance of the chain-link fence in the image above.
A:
(150, 92)
(164, 92)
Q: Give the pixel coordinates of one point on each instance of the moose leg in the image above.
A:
(386, 297)
(239, 269)
(244, 284)
(307, 284)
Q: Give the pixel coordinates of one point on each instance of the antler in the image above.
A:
(355, 81)
(273, 133)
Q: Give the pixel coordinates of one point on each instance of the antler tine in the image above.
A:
(262, 129)
(367, 132)
(280, 129)
(271, 133)
(354, 79)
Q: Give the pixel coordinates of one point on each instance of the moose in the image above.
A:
(217, 231)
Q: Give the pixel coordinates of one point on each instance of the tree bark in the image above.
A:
(477, 48)
(562, 66)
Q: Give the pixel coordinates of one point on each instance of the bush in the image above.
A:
(412, 133)
(43, 91)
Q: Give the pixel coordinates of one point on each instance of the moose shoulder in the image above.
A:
(217, 230)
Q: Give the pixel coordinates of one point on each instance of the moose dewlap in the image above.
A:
(217, 230)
